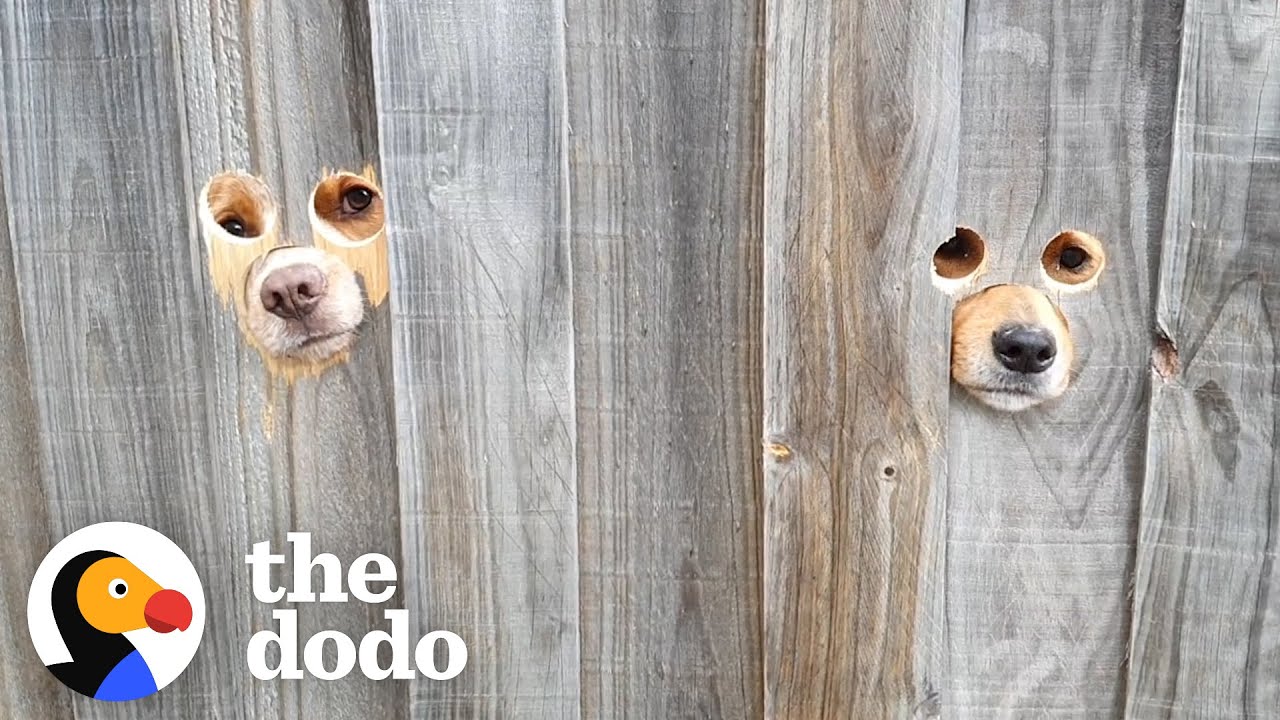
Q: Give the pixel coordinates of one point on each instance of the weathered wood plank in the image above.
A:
(149, 408)
(471, 121)
(111, 306)
(1066, 121)
(1205, 638)
(26, 689)
(665, 206)
(285, 90)
(859, 189)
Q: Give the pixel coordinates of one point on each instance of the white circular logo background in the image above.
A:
(167, 654)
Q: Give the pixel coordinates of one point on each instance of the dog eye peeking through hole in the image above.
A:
(300, 306)
(1011, 345)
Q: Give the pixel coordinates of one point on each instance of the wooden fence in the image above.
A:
(657, 417)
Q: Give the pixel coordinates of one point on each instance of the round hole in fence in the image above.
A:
(237, 208)
(960, 260)
(348, 209)
(1072, 261)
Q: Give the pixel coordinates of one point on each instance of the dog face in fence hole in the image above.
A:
(1011, 345)
(296, 304)
(302, 303)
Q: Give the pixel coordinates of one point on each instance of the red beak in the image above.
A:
(168, 610)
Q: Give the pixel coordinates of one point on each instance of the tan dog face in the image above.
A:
(1011, 346)
(302, 303)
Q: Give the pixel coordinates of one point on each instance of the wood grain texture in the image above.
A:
(1066, 124)
(27, 689)
(149, 408)
(859, 188)
(1206, 638)
(109, 310)
(665, 161)
(285, 91)
(631, 241)
(470, 106)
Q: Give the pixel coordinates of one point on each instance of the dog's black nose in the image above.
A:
(1025, 348)
(293, 292)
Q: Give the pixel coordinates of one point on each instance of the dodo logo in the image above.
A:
(116, 611)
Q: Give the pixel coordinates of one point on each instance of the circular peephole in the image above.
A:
(1072, 261)
(959, 261)
(237, 207)
(347, 209)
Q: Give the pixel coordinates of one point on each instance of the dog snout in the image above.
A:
(1025, 348)
(292, 292)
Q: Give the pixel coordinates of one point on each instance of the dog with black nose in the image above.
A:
(1011, 345)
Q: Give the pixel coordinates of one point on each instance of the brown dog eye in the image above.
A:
(1072, 258)
(356, 199)
(1072, 261)
(234, 226)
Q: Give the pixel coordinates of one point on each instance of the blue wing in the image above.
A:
(130, 679)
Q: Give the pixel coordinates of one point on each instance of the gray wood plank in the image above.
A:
(284, 93)
(27, 690)
(1205, 639)
(860, 171)
(150, 409)
(286, 90)
(1065, 125)
(471, 122)
(665, 161)
(110, 309)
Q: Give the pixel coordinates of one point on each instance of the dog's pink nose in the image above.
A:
(293, 292)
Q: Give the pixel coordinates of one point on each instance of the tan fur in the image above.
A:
(242, 197)
(959, 262)
(974, 365)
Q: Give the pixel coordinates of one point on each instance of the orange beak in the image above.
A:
(168, 610)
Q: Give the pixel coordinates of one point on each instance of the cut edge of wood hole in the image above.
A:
(959, 262)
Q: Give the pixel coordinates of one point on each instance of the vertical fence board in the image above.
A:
(110, 306)
(26, 689)
(1206, 639)
(150, 410)
(286, 91)
(860, 155)
(1066, 122)
(665, 166)
(470, 101)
